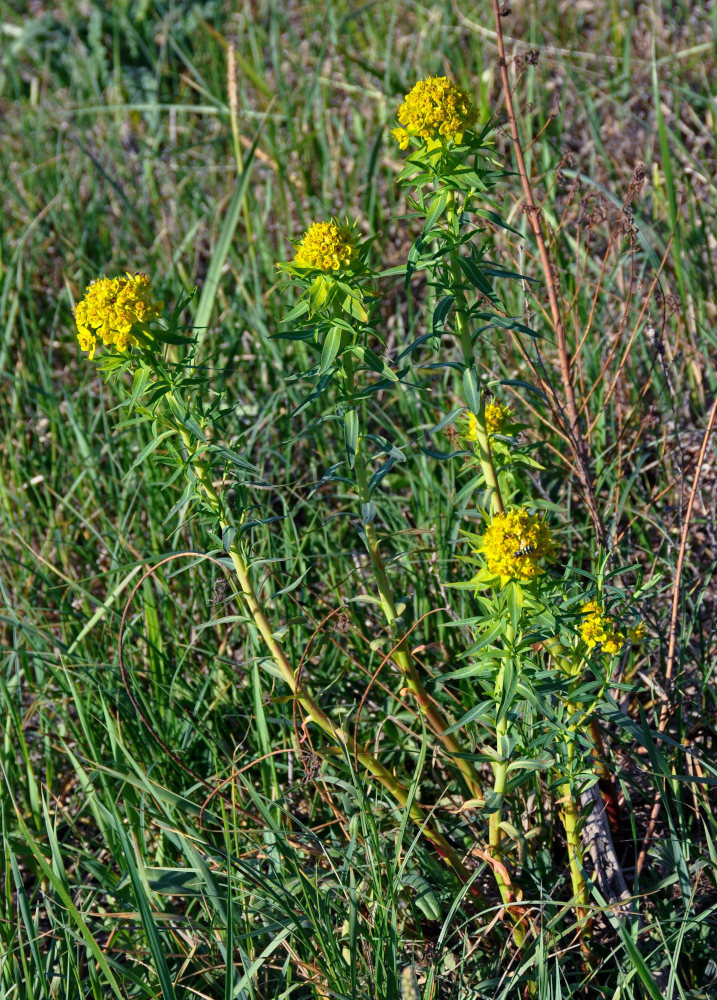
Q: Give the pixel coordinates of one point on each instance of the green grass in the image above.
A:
(300, 878)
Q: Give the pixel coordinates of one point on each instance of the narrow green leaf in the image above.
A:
(331, 347)
(510, 684)
(471, 389)
(148, 449)
(30, 929)
(150, 928)
(436, 208)
(351, 435)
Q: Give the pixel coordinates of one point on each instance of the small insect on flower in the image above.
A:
(113, 310)
(513, 545)
(497, 417)
(524, 550)
(327, 246)
(435, 110)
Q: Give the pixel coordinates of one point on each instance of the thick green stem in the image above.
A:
(500, 777)
(485, 456)
(337, 733)
(500, 780)
(565, 660)
(571, 818)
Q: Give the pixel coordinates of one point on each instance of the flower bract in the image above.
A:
(327, 246)
(113, 309)
(514, 543)
(435, 110)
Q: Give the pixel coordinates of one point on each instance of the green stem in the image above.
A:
(500, 780)
(485, 456)
(571, 824)
(337, 733)
(500, 777)
(565, 659)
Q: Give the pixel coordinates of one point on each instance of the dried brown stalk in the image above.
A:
(672, 644)
(577, 441)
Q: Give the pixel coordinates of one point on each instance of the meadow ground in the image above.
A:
(170, 827)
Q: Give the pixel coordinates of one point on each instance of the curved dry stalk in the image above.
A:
(672, 643)
(572, 420)
(630, 342)
(388, 656)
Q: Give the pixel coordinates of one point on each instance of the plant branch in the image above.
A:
(337, 733)
(485, 456)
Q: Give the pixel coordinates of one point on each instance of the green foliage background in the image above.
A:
(118, 154)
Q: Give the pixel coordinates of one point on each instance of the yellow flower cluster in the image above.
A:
(435, 110)
(514, 543)
(599, 627)
(637, 633)
(326, 246)
(110, 310)
(497, 415)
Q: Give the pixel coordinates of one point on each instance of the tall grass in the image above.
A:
(243, 864)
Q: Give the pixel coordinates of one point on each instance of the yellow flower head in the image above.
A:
(637, 633)
(600, 628)
(112, 308)
(327, 246)
(497, 415)
(514, 543)
(468, 427)
(435, 110)
(613, 644)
